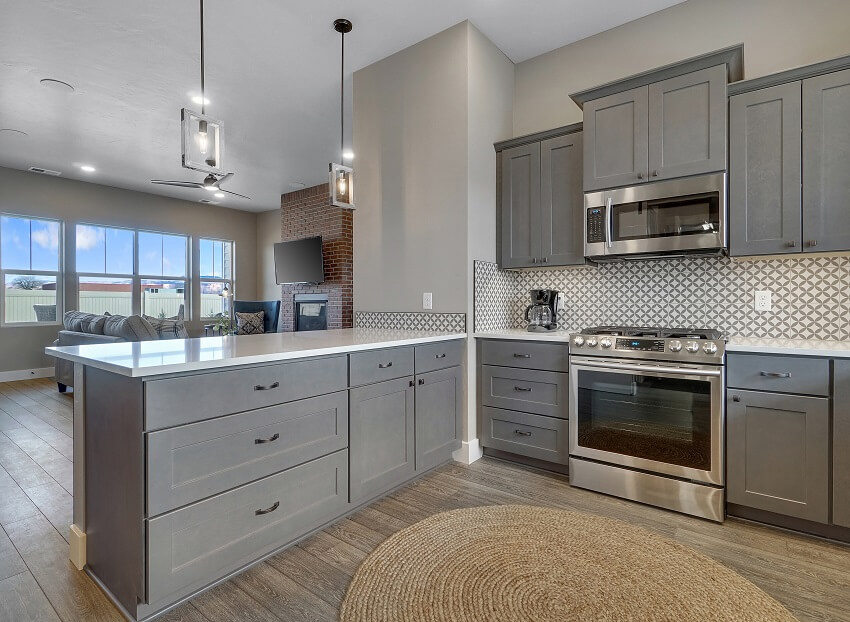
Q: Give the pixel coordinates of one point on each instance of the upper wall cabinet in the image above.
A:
(664, 124)
(540, 200)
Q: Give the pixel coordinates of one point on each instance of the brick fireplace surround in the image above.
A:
(308, 212)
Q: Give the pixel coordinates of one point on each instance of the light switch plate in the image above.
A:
(763, 301)
(427, 300)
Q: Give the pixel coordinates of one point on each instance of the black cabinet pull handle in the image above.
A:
(775, 374)
(521, 433)
(411, 383)
(271, 439)
(522, 356)
(268, 510)
(791, 244)
(385, 365)
(440, 356)
(524, 389)
(736, 398)
(421, 381)
(273, 385)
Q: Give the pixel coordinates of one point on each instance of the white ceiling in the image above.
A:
(272, 77)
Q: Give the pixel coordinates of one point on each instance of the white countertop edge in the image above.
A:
(271, 357)
(838, 349)
(518, 334)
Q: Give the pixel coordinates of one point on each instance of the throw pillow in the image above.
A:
(250, 323)
(169, 327)
(131, 328)
(80, 322)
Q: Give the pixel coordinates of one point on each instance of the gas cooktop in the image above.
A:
(688, 345)
(647, 331)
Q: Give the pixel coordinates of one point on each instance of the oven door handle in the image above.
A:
(682, 371)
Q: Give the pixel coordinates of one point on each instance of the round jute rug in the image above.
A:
(521, 563)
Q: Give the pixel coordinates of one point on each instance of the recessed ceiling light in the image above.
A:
(87, 168)
(8, 131)
(57, 85)
(197, 100)
(348, 155)
(219, 195)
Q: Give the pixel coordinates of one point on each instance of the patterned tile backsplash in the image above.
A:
(810, 296)
(452, 322)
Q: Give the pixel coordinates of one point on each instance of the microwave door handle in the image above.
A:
(609, 221)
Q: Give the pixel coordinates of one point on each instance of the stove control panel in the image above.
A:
(640, 345)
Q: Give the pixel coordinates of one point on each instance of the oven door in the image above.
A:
(655, 417)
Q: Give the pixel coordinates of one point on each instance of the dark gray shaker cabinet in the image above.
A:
(439, 402)
(765, 171)
(841, 444)
(520, 206)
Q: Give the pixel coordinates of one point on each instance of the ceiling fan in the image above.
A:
(211, 183)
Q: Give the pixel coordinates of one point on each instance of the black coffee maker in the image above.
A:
(542, 313)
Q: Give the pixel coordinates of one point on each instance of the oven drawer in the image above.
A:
(526, 354)
(780, 374)
(544, 438)
(375, 366)
(528, 390)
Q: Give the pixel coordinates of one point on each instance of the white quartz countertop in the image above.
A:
(153, 358)
(560, 336)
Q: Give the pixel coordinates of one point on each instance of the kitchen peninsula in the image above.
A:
(196, 458)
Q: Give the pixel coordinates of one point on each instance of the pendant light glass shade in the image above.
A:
(341, 180)
(203, 142)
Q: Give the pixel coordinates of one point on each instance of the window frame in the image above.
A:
(106, 275)
(59, 274)
(231, 282)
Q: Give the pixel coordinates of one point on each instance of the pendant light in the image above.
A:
(203, 136)
(341, 177)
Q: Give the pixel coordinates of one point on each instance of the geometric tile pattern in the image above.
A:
(810, 295)
(449, 322)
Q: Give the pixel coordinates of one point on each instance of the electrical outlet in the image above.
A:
(762, 301)
(427, 300)
(562, 301)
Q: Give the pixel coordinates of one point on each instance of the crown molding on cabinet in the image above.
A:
(538, 136)
(789, 75)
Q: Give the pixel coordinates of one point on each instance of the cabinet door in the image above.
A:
(765, 171)
(778, 453)
(687, 124)
(520, 209)
(615, 140)
(381, 437)
(826, 162)
(562, 200)
(841, 445)
(439, 403)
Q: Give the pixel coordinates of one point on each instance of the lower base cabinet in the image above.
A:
(534, 436)
(778, 453)
(841, 444)
(439, 402)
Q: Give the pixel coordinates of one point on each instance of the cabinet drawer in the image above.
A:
(186, 399)
(379, 365)
(782, 374)
(195, 461)
(544, 438)
(439, 355)
(528, 390)
(526, 354)
(191, 547)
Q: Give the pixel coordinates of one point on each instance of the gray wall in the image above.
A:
(777, 35)
(268, 234)
(71, 201)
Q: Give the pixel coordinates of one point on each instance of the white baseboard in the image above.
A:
(469, 452)
(26, 374)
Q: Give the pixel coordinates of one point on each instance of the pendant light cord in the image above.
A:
(341, 100)
(203, 93)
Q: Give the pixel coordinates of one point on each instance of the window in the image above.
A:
(162, 266)
(30, 267)
(216, 272)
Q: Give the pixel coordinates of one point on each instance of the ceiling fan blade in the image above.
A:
(224, 179)
(235, 194)
(179, 184)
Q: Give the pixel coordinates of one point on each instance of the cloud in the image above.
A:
(47, 235)
(88, 237)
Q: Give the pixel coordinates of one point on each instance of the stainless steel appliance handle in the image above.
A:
(682, 371)
(775, 374)
(609, 221)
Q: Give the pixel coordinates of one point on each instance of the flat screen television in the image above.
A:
(299, 261)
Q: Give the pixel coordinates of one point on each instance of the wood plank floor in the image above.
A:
(308, 581)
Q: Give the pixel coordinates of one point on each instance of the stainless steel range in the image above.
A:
(647, 416)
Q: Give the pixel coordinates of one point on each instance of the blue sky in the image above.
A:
(29, 244)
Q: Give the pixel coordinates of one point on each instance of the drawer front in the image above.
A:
(534, 436)
(379, 365)
(526, 354)
(186, 399)
(191, 547)
(782, 374)
(528, 390)
(440, 355)
(195, 461)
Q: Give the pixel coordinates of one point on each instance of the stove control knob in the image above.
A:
(605, 342)
(675, 346)
(710, 347)
(578, 341)
(591, 342)
(692, 347)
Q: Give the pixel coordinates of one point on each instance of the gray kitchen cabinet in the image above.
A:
(616, 139)
(826, 162)
(439, 404)
(562, 200)
(765, 171)
(520, 206)
(381, 437)
(841, 444)
(778, 453)
(687, 124)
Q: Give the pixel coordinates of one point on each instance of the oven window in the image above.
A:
(664, 218)
(652, 417)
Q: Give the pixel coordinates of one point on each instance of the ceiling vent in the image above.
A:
(43, 171)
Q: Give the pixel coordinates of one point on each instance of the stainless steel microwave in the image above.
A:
(657, 219)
